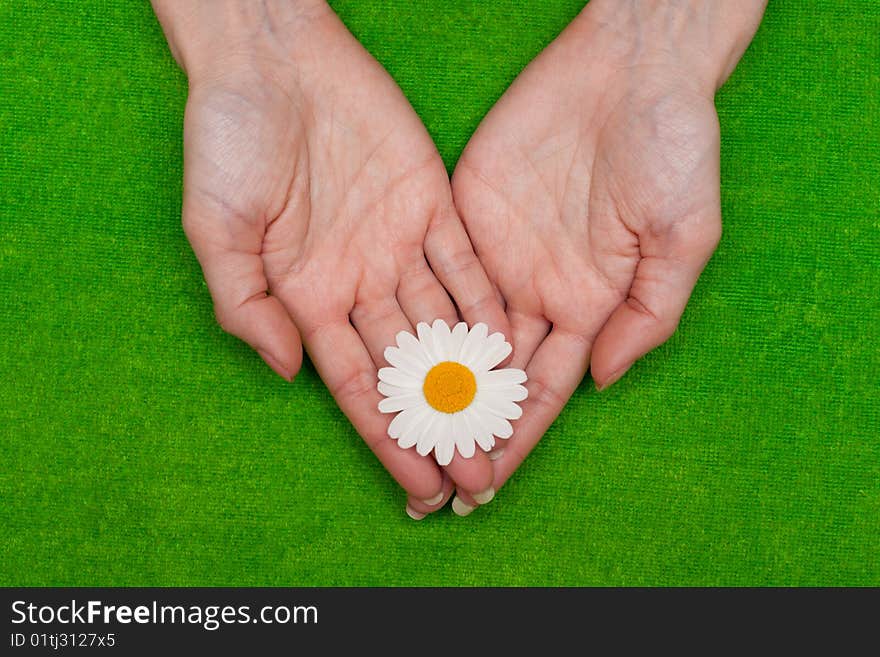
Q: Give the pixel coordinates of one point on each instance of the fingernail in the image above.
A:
(279, 369)
(434, 500)
(496, 454)
(615, 376)
(460, 508)
(412, 513)
(485, 496)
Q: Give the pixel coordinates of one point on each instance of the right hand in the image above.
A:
(591, 193)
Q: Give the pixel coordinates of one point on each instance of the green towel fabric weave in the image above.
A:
(140, 445)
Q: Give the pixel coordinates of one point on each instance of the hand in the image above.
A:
(315, 202)
(591, 195)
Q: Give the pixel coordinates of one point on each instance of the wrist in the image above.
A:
(205, 36)
(700, 40)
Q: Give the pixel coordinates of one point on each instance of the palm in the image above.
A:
(587, 196)
(320, 185)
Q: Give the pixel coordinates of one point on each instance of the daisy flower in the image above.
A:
(445, 392)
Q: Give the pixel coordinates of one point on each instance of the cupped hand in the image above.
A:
(591, 195)
(321, 212)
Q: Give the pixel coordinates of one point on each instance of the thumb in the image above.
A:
(233, 270)
(670, 265)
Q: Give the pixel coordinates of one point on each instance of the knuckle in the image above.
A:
(545, 394)
(635, 304)
(476, 305)
(669, 326)
(666, 322)
(354, 386)
(703, 237)
(714, 232)
(186, 223)
(458, 262)
(418, 280)
(226, 319)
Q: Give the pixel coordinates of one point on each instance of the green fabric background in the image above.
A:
(142, 446)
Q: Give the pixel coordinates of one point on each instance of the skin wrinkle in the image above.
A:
(411, 262)
(457, 263)
(277, 20)
(628, 248)
(524, 154)
(658, 197)
(230, 209)
(464, 165)
(229, 120)
(290, 205)
(422, 273)
(633, 301)
(405, 176)
(365, 161)
(575, 218)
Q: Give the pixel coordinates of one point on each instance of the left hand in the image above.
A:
(320, 209)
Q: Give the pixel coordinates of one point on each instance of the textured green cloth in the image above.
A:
(140, 445)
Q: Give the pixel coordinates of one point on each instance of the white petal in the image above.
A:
(459, 333)
(409, 344)
(415, 365)
(393, 391)
(415, 427)
(394, 404)
(419, 425)
(497, 425)
(466, 420)
(397, 378)
(506, 377)
(482, 434)
(404, 422)
(473, 343)
(427, 341)
(496, 351)
(464, 438)
(512, 393)
(442, 339)
(444, 450)
(495, 401)
(400, 420)
(474, 354)
(430, 431)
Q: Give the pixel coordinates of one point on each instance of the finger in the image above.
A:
(418, 509)
(426, 300)
(463, 503)
(527, 332)
(377, 322)
(423, 298)
(456, 266)
(554, 372)
(345, 365)
(664, 280)
(473, 475)
(233, 270)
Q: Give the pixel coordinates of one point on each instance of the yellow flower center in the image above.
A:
(450, 387)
